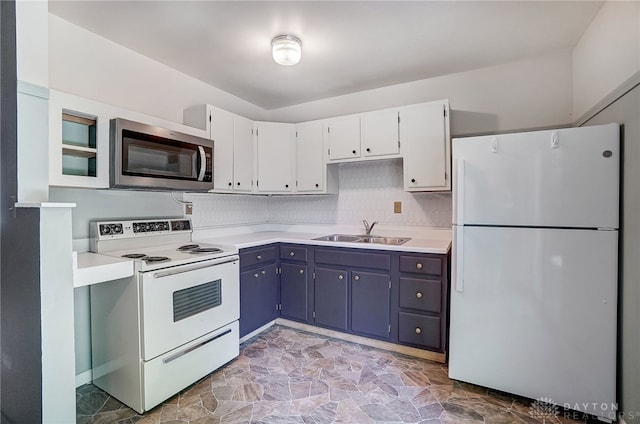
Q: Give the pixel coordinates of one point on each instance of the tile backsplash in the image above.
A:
(367, 190)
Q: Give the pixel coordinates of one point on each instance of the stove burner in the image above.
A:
(188, 247)
(134, 255)
(155, 258)
(205, 250)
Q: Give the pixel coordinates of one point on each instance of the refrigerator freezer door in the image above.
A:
(537, 314)
(560, 178)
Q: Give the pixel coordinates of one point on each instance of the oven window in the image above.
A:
(193, 300)
(151, 156)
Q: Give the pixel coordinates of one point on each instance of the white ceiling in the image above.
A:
(347, 46)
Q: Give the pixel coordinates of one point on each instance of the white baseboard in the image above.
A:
(84, 378)
(405, 350)
(256, 332)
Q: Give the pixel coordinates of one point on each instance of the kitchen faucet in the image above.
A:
(367, 227)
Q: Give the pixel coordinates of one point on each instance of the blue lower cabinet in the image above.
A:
(294, 292)
(259, 297)
(330, 294)
(423, 301)
(371, 304)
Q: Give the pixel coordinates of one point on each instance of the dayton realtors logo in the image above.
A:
(543, 409)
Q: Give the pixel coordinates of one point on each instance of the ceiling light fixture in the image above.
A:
(286, 50)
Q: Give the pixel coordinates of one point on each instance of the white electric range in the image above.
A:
(173, 322)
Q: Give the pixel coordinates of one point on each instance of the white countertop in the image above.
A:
(92, 268)
(424, 244)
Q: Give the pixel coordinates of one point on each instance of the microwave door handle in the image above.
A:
(203, 163)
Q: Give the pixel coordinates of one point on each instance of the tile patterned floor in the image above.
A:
(288, 376)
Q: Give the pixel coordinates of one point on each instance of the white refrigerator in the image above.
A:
(535, 265)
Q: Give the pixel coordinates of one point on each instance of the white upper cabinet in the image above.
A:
(309, 157)
(426, 146)
(232, 137)
(242, 154)
(275, 149)
(79, 142)
(222, 136)
(298, 158)
(380, 133)
(343, 137)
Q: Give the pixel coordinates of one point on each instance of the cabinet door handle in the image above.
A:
(356, 277)
(238, 183)
(259, 257)
(256, 275)
(292, 253)
(418, 330)
(263, 272)
(302, 271)
(230, 184)
(286, 186)
(413, 180)
(317, 185)
(353, 151)
(419, 265)
(340, 277)
(419, 295)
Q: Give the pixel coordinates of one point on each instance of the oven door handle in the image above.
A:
(192, 348)
(207, 264)
(203, 163)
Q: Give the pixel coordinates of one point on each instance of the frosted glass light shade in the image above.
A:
(286, 50)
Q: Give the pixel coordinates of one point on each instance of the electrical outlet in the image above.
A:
(397, 207)
(188, 209)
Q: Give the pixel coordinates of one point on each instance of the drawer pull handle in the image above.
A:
(259, 257)
(419, 265)
(419, 295)
(263, 272)
(292, 254)
(418, 330)
(356, 277)
(302, 271)
(340, 277)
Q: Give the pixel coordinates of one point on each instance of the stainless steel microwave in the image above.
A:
(154, 158)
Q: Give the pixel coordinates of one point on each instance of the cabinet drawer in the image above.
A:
(353, 259)
(421, 294)
(421, 265)
(258, 256)
(293, 253)
(422, 330)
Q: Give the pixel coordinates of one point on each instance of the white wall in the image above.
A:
(88, 65)
(531, 93)
(607, 58)
(607, 54)
(367, 191)
(31, 41)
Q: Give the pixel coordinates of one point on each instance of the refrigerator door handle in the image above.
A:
(457, 259)
(458, 198)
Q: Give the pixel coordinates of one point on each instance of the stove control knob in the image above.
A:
(117, 229)
(104, 229)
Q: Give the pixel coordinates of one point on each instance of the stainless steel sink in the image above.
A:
(384, 240)
(396, 241)
(339, 237)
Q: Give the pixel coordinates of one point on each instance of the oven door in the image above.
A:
(183, 303)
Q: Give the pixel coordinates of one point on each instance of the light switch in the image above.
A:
(188, 209)
(397, 207)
